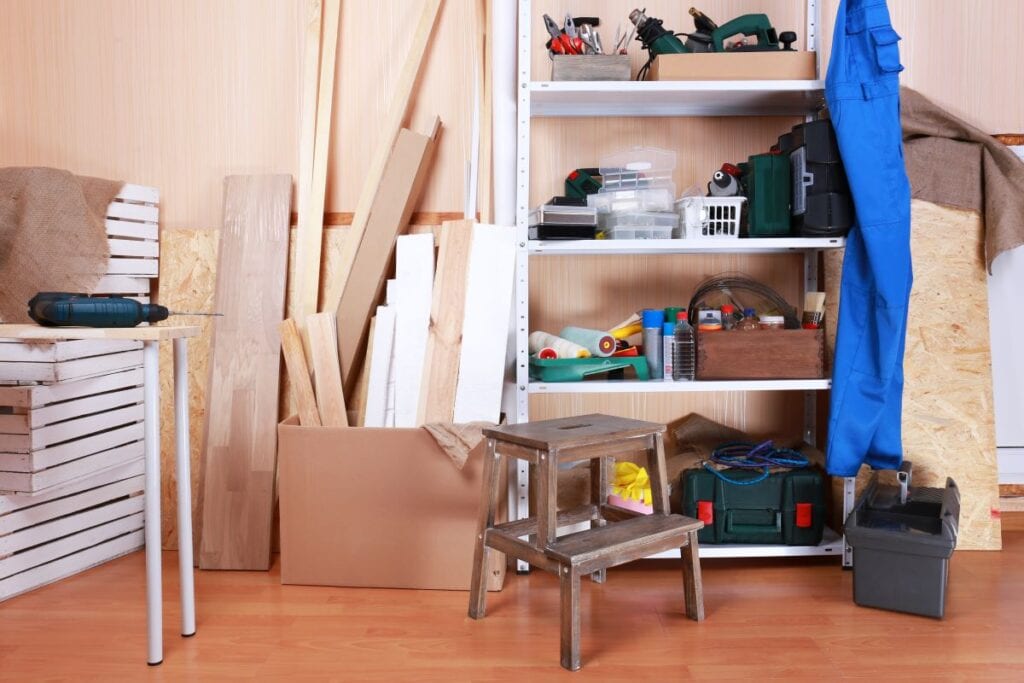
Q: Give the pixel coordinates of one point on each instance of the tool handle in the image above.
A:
(60, 309)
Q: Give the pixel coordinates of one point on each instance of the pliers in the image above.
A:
(563, 43)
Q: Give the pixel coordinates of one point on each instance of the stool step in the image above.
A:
(622, 542)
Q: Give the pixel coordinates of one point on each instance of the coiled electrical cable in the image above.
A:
(753, 456)
(734, 281)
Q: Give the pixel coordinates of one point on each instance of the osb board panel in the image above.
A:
(948, 423)
(600, 291)
(188, 273)
(701, 145)
(786, 15)
(975, 82)
(188, 263)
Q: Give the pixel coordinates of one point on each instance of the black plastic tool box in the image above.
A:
(902, 542)
(786, 508)
(821, 203)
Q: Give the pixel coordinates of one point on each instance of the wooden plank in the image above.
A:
(158, 332)
(309, 239)
(62, 350)
(58, 454)
(122, 284)
(85, 405)
(133, 212)
(70, 473)
(323, 345)
(121, 228)
(414, 266)
(401, 186)
(441, 364)
(98, 478)
(141, 267)
(41, 395)
(72, 564)
(70, 369)
(383, 340)
(47, 436)
(357, 411)
(485, 324)
(298, 373)
(241, 420)
(138, 193)
(388, 133)
(312, 18)
(16, 423)
(140, 248)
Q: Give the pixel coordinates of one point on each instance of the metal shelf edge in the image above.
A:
(656, 386)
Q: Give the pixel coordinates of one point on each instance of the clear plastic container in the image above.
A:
(638, 168)
(773, 322)
(638, 225)
(749, 322)
(648, 199)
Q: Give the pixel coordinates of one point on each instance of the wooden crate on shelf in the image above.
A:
(69, 529)
(761, 354)
(134, 237)
(51, 435)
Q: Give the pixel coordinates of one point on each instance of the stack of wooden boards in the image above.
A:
(71, 428)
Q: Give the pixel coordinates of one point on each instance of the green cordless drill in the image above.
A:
(63, 309)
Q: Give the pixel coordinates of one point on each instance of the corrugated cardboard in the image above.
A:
(382, 508)
(735, 66)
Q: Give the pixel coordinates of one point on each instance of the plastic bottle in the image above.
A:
(728, 317)
(684, 354)
(653, 322)
(668, 345)
(749, 322)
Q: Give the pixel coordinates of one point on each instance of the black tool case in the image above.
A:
(786, 508)
(821, 203)
(902, 539)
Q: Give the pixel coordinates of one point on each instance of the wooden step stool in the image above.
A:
(596, 438)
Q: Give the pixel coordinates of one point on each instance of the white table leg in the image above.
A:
(183, 472)
(154, 604)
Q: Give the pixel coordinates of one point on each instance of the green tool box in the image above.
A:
(767, 179)
(578, 369)
(786, 508)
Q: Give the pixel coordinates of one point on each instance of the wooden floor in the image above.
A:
(792, 619)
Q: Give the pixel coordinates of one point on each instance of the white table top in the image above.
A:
(149, 333)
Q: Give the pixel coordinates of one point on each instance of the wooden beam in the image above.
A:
(240, 455)
(401, 186)
(298, 373)
(388, 132)
(441, 364)
(307, 112)
(414, 266)
(323, 345)
(379, 361)
(310, 228)
(485, 183)
(357, 408)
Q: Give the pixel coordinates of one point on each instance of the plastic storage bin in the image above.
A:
(639, 225)
(901, 549)
(710, 217)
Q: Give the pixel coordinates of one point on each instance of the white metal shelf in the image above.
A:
(675, 98)
(758, 245)
(660, 387)
(831, 545)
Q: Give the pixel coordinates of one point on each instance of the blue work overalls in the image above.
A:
(862, 91)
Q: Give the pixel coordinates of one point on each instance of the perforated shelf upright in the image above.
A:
(658, 99)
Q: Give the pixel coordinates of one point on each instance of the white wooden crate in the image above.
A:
(133, 234)
(53, 435)
(70, 529)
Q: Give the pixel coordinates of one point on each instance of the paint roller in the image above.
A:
(597, 342)
(547, 346)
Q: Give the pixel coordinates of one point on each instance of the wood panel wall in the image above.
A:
(178, 94)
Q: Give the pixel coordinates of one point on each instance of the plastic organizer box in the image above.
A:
(639, 225)
(710, 217)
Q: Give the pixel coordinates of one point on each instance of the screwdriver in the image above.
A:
(63, 309)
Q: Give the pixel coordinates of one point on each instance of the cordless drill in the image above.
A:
(63, 309)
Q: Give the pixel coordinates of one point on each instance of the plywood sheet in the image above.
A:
(948, 423)
(240, 450)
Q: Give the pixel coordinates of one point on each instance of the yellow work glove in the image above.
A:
(632, 482)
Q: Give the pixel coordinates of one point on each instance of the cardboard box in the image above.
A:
(381, 508)
(735, 66)
(761, 354)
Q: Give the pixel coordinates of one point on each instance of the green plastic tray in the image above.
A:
(576, 369)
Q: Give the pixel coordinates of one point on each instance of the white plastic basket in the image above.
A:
(710, 217)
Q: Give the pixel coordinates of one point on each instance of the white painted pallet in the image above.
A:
(54, 435)
(71, 529)
(133, 233)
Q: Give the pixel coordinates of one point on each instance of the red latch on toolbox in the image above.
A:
(803, 515)
(706, 511)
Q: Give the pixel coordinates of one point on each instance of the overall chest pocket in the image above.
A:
(886, 43)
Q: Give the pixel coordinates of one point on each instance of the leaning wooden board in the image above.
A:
(241, 420)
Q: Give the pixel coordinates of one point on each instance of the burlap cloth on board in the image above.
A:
(52, 236)
(951, 162)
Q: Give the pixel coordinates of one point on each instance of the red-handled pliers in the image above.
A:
(560, 43)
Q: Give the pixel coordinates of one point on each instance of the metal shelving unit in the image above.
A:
(630, 98)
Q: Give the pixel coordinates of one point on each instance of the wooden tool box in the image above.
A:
(71, 428)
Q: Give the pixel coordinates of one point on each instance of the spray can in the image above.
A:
(653, 322)
(668, 345)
